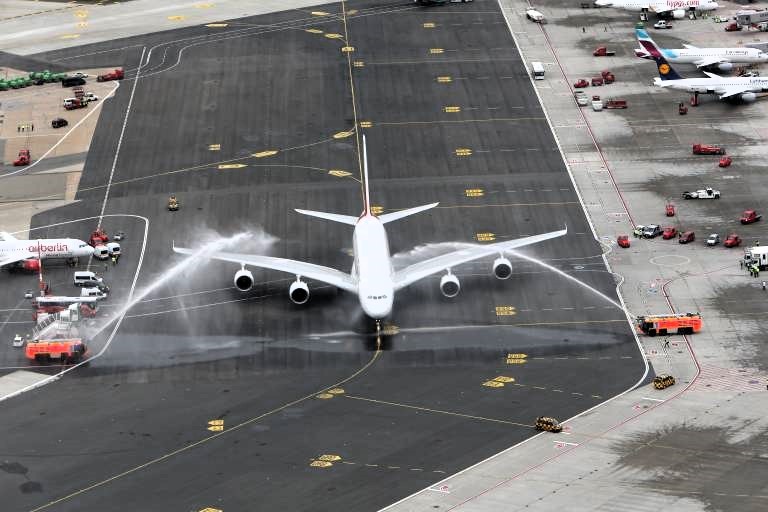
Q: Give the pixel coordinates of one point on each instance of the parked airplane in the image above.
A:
(373, 278)
(674, 8)
(721, 58)
(27, 253)
(726, 87)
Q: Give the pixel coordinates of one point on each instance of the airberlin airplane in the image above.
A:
(27, 253)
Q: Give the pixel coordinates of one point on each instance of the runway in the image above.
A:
(315, 417)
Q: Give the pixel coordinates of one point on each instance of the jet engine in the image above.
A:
(243, 280)
(678, 14)
(299, 292)
(32, 265)
(449, 285)
(502, 268)
(725, 66)
(748, 97)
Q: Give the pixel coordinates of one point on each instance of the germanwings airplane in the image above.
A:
(373, 278)
(722, 58)
(726, 87)
(27, 253)
(675, 8)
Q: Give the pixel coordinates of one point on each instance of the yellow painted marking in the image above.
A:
(428, 24)
(232, 166)
(493, 384)
(377, 210)
(516, 361)
(366, 124)
(474, 192)
(81, 14)
(324, 396)
(463, 152)
(444, 79)
(358, 64)
(505, 380)
(69, 36)
(320, 13)
(390, 329)
(210, 509)
(485, 237)
(313, 31)
(436, 51)
(329, 458)
(333, 35)
(320, 464)
(217, 25)
(452, 108)
(505, 311)
(517, 356)
(82, 24)
(216, 422)
(262, 154)
(339, 173)
(214, 147)
(336, 391)
(343, 135)
(347, 49)
(216, 428)
(351, 12)
(177, 17)
(204, 6)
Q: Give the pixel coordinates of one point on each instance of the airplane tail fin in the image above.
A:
(666, 72)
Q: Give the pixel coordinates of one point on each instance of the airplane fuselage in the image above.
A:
(47, 248)
(658, 6)
(692, 56)
(713, 85)
(373, 267)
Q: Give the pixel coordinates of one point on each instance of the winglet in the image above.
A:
(366, 192)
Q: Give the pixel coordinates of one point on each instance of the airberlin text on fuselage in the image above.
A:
(58, 247)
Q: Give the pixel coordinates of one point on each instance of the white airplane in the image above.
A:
(726, 87)
(722, 58)
(27, 253)
(674, 8)
(373, 278)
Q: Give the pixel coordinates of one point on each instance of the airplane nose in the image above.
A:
(87, 250)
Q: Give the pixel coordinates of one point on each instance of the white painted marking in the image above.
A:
(653, 399)
(566, 443)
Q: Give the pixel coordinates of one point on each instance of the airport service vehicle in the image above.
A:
(651, 231)
(597, 81)
(608, 77)
(726, 161)
(86, 278)
(720, 58)
(670, 210)
(638, 231)
(597, 103)
(23, 159)
(64, 350)
(713, 240)
(173, 204)
(661, 24)
(25, 253)
(673, 8)
(59, 122)
(733, 27)
(89, 96)
(706, 193)
(537, 70)
(581, 99)
(669, 233)
(681, 323)
(75, 104)
(706, 149)
(686, 237)
(732, 240)
(602, 51)
(682, 109)
(535, 16)
(548, 424)
(623, 241)
(79, 92)
(615, 104)
(581, 83)
(756, 256)
(119, 236)
(663, 381)
(117, 74)
(98, 237)
(72, 81)
(749, 217)
(372, 278)
(18, 341)
(87, 305)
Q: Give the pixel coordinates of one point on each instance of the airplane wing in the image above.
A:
(659, 9)
(471, 252)
(727, 92)
(15, 256)
(708, 61)
(712, 75)
(309, 270)
(691, 47)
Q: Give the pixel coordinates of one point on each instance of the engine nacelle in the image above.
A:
(748, 97)
(243, 280)
(449, 285)
(502, 268)
(725, 66)
(299, 292)
(31, 265)
(101, 252)
(678, 14)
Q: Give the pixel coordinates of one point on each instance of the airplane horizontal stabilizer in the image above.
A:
(389, 217)
(335, 217)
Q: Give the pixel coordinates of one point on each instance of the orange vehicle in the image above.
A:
(683, 323)
(64, 350)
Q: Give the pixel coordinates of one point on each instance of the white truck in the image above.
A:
(535, 16)
(706, 193)
(757, 255)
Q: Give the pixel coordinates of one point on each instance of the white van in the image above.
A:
(93, 292)
(101, 252)
(535, 16)
(113, 248)
(86, 278)
(69, 101)
(537, 70)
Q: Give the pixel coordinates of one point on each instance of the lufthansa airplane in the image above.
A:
(373, 278)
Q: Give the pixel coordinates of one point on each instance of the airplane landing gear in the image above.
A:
(695, 99)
